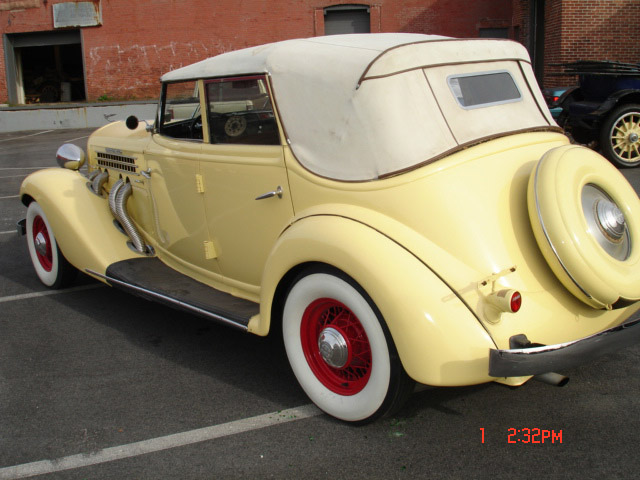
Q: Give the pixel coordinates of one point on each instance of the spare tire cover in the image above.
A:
(586, 220)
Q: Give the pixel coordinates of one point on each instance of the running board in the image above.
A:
(151, 279)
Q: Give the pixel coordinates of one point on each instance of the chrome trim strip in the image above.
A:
(546, 234)
(173, 301)
(519, 362)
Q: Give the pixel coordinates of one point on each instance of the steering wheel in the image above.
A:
(195, 127)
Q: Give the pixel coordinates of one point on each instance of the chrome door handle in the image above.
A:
(277, 192)
(146, 173)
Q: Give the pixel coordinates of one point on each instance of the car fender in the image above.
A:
(617, 98)
(439, 340)
(82, 222)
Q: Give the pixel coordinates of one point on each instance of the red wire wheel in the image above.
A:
(340, 349)
(50, 265)
(336, 346)
(43, 243)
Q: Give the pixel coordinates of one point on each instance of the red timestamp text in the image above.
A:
(530, 435)
(533, 435)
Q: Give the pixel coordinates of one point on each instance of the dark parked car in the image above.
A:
(605, 108)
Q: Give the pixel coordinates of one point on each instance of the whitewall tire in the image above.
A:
(340, 350)
(52, 268)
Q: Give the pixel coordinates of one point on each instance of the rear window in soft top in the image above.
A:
(484, 89)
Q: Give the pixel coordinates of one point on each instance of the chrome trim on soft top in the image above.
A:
(519, 362)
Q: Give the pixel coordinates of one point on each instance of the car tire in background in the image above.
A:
(50, 265)
(620, 136)
(340, 349)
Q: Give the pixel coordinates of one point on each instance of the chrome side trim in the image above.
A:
(519, 362)
(171, 300)
(546, 234)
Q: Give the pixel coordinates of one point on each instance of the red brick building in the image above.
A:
(117, 49)
(562, 31)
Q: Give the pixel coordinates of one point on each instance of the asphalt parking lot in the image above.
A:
(98, 384)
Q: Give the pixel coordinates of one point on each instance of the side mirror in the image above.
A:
(70, 156)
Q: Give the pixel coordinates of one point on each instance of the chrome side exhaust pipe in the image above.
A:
(112, 196)
(552, 378)
(98, 182)
(118, 196)
(121, 214)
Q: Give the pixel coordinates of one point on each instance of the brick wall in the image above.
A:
(138, 41)
(584, 30)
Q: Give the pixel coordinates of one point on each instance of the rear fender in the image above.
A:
(81, 221)
(439, 340)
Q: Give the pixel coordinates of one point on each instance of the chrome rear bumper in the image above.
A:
(534, 360)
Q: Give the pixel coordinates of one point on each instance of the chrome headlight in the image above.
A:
(70, 156)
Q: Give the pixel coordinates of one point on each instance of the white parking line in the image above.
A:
(23, 168)
(25, 136)
(44, 293)
(10, 196)
(74, 139)
(158, 444)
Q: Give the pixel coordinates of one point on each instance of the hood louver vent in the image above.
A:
(117, 162)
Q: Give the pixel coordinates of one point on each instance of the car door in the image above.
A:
(174, 182)
(246, 190)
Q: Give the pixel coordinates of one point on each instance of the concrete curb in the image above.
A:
(76, 115)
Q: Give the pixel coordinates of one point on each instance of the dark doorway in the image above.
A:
(52, 73)
(45, 67)
(346, 19)
(493, 33)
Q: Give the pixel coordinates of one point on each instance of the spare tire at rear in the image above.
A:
(586, 220)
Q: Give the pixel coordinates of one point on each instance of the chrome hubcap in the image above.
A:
(333, 347)
(606, 222)
(40, 243)
(611, 219)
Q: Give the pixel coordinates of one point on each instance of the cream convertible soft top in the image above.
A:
(357, 107)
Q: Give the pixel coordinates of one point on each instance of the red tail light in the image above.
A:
(515, 302)
(509, 301)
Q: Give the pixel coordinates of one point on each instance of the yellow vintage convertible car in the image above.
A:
(401, 208)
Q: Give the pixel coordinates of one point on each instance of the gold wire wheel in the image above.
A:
(622, 142)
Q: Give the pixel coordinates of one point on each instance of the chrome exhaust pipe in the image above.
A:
(552, 378)
(123, 194)
(112, 196)
(118, 196)
(98, 182)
